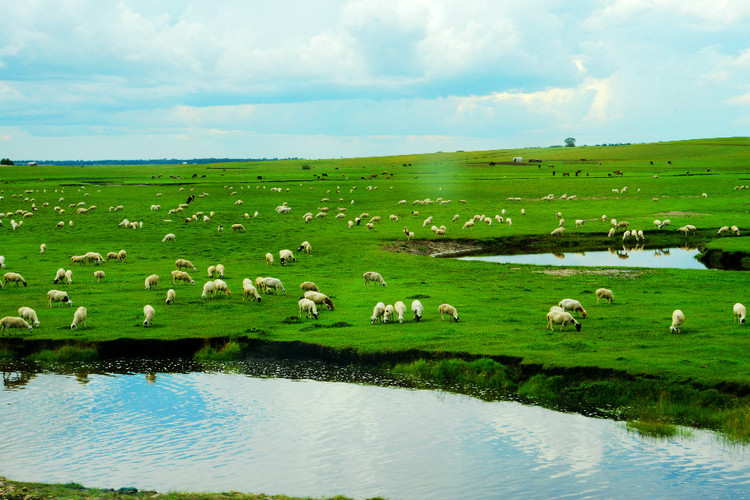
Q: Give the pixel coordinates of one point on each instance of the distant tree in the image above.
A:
(570, 142)
(6, 161)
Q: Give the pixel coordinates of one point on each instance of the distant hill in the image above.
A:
(161, 161)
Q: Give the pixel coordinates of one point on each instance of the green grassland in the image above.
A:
(502, 308)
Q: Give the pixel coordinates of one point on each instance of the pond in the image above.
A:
(252, 431)
(675, 258)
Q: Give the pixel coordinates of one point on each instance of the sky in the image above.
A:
(132, 79)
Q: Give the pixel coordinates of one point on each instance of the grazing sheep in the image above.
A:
(58, 296)
(559, 231)
(740, 312)
(400, 309)
(43, 247)
(580, 222)
(208, 288)
(148, 314)
(449, 310)
(388, 314)
(320, 299)
(79, 317)
(309, 286)
(286, 256)
(468, 223)
(180, 263)
(305, 246)
(99, 275)
(96, 257)
(373, 276)
(29, 315)
(113, 255)
(572, 305)
(181, 276)
(238, 227)
(417, 309)
(211, 271)
(274, 284)
(269, 259)
(122, 255)
(248, 290)
(78, 259)
(735, 230)
(603, 293)
(308, 306)
(221, 286)
(220, 270)
(259, 283)
(170, 296)
(168, 237)
(377, 313)
(152, 281)
(68, 276)
(678, 318)
(561, 318)
(611, 233)
(2, 262)
(14, 278)
(9, 322)
(59, 276)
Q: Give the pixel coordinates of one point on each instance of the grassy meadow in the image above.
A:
(501, 307)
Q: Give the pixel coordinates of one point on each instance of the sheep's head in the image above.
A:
(583, 313)
(456, 318)
(73, 326)
(578, 326)
(31, 329)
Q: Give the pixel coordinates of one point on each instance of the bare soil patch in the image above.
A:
(674, 213)
(622, 273)
(435, 248)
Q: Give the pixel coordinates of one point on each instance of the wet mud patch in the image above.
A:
(436, 248)
(612, 273)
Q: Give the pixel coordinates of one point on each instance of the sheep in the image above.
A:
(170, 296)
(561, 223)
(678, 318)
(559, 231)
(14, 278)
(220, 270)
(152, 281)
(59, 276)
(269, 259)
(211, 271)
(2, 262)
(79, 317)
(409, 234)
(181, 276)
(740, 312)
(305, 246)
(58, 296)
(562, 318)
(286, 256)
(122, 255)
(373, 276)
(68, 276)
(29, 315)
(180, 263)
(220, 229)
(221, 286)
(388, 314)
(417, 308)
(43, 247)
(723, 229)
(148, 314)
(573, 305)
(248, 290)
(9, 322)
(469, 223)
(580, 222)
(665, 222)
(208, 288)
(735, 230)
(238, 227)
(112, 255)
(308, 306)
(400, 309)
(259, 282)
(449, 310)
(603, 293)
(378, 312)
(319, 298)
(168, 237)
(99, 275)
(96, 257)
(308, 286)
(273, 284)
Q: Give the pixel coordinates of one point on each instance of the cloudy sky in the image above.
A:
(130, 79)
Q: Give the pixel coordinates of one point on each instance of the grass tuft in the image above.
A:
(231, 351)
(67, 354)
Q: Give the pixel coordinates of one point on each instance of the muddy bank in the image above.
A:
(720, 259)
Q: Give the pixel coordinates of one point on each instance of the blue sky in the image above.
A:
(91, 79)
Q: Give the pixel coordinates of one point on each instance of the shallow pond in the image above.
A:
(676, 258)
(220, 431)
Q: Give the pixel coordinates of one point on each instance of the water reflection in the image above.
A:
(244, 428)
(627, 255)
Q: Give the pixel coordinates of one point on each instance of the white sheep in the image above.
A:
(79, 317)
(148, 314)
(273, 284)
(378, 312)
(220, 270)
(58, 296)
(180, 263)
(559, 231)
(170, 296)
(69, 276)
(562, 318)
(99, 275)
(208, 288)
(59, 276)
(308, 306)
(388, 314)
(169, 237)
(2, 262)
(221, 286)
(43, 247)
(740, 312)
(678, 318)
(305, 245)
(449, 310)
(181, 276)
(9, 322)
(152, 281)
(122, 255)
(14, 278)
(29, 315)
(319, 299)
(603, 293)
(373, 276)
(308, 286)
(572, 305)
(269, 259)
(248, 290)
(400, 309)
(286, 256)
(417, 309)
(211, 271)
